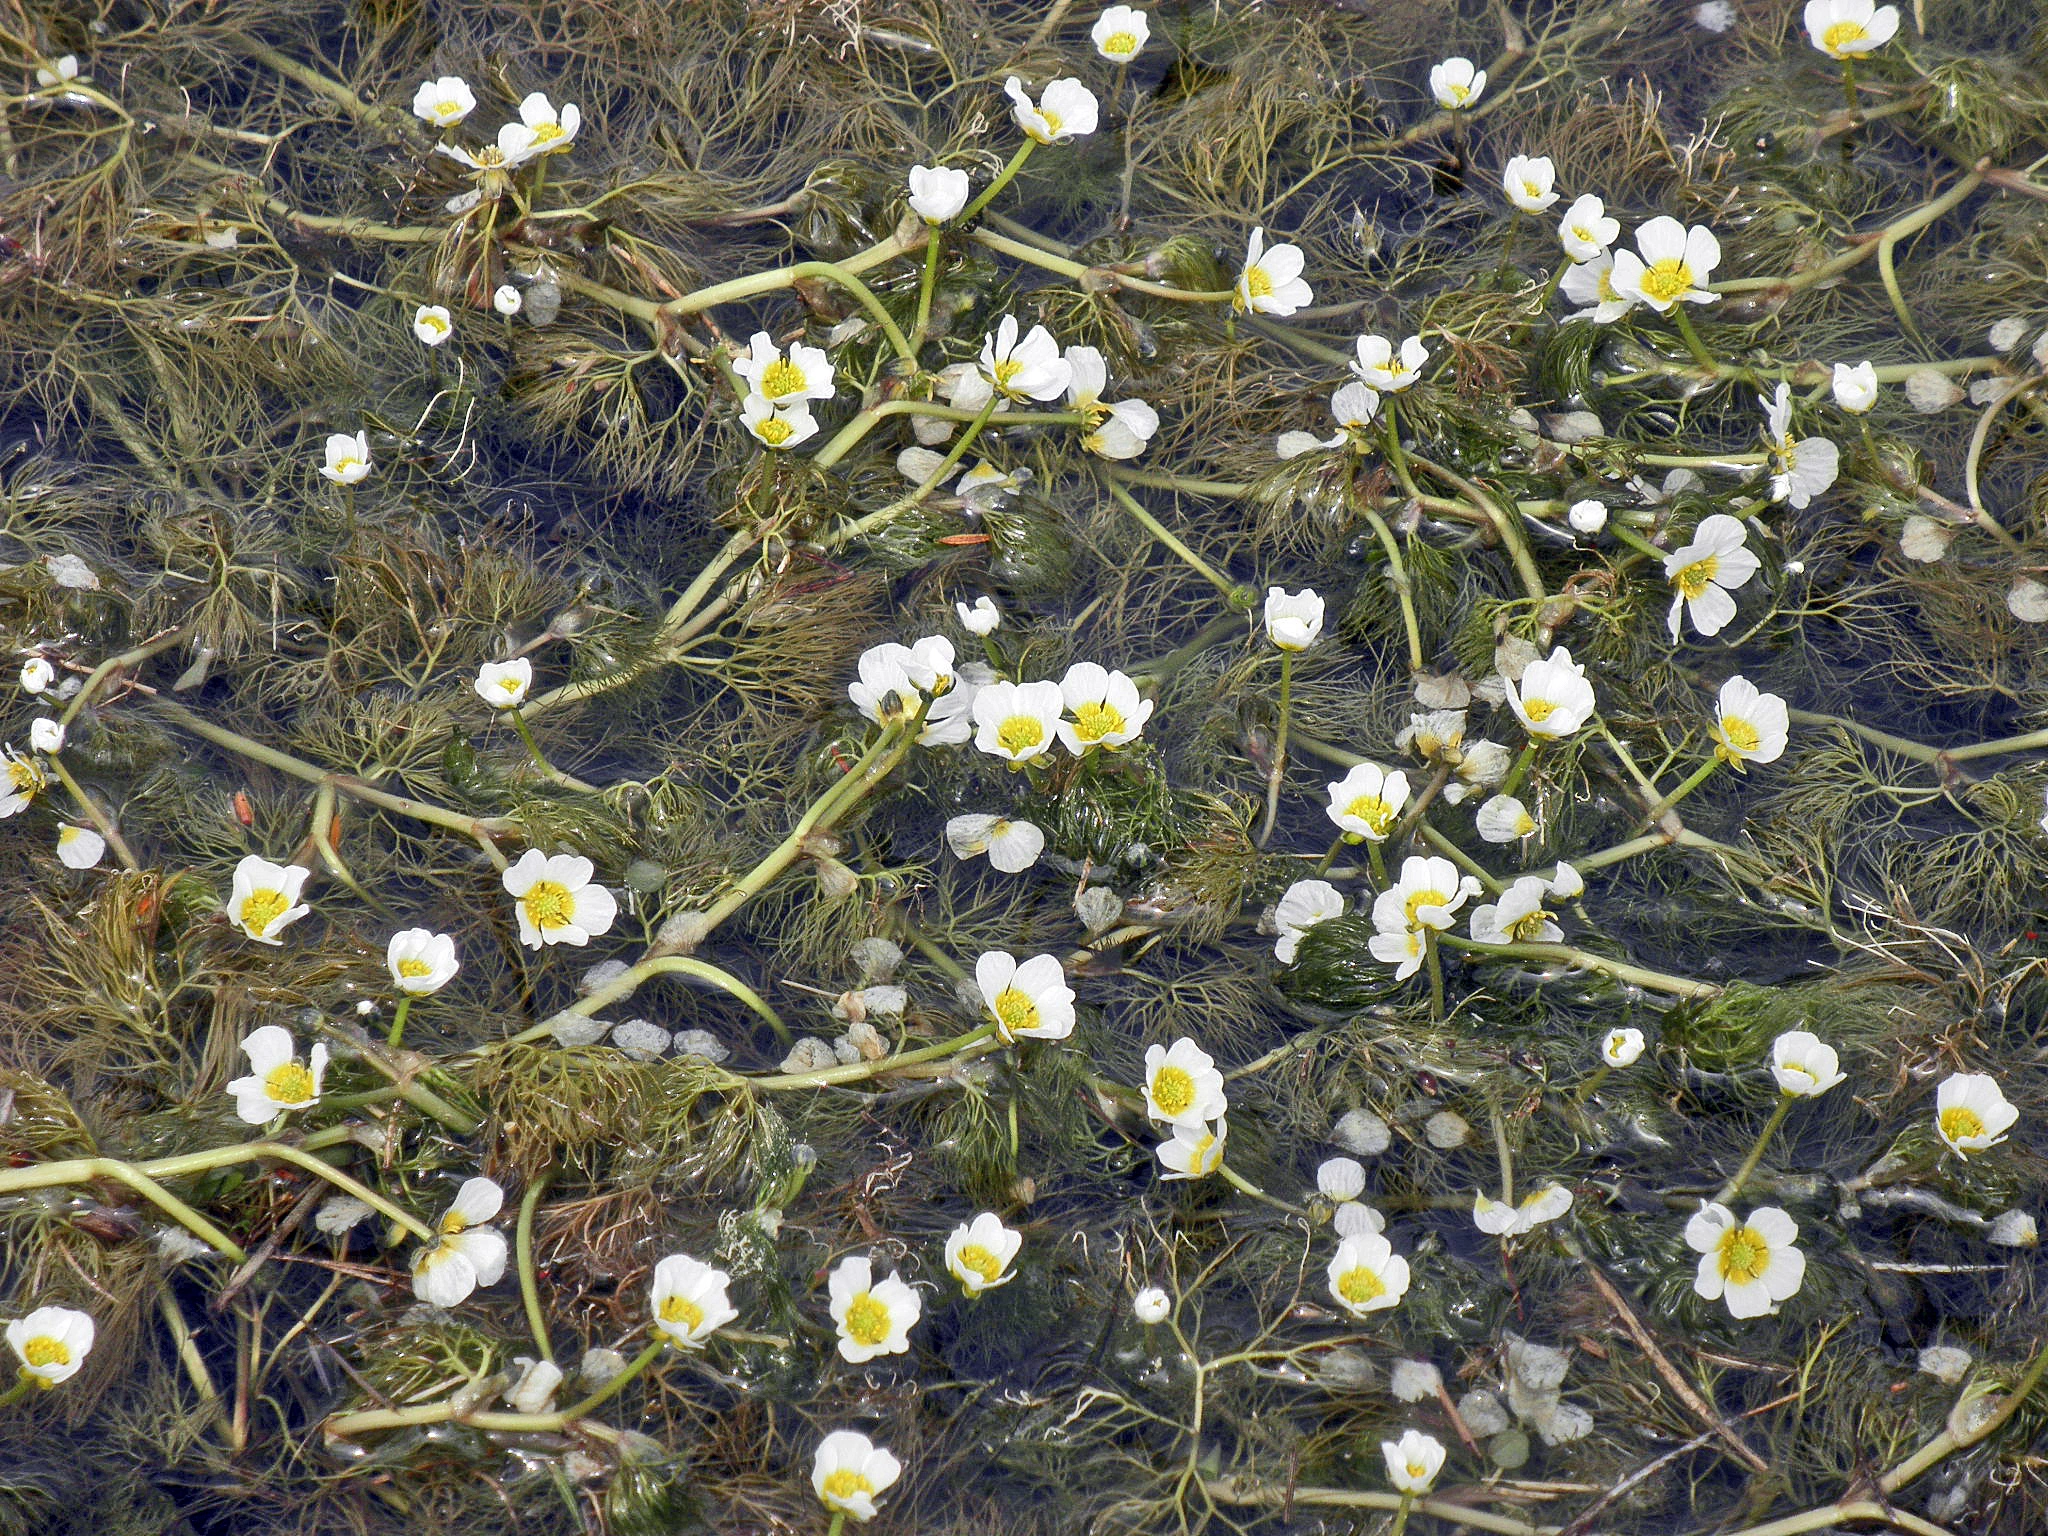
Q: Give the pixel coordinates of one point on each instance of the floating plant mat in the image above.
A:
(1013, 767)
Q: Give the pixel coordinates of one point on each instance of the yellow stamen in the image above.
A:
(682, 1310)
(288, 1084)
(548, 905)
(1744, 1256)
(42, 1350)
(1667, 279)
(1361, 1285)
(867, 1320)
(1016, 1010)
(1095, 720)
(782, 377)
(1173, 1090)
(262, 908)
(1692, 580)
(1960, 1123)
(979, 1261)
(1020, 733)
(846, 1484)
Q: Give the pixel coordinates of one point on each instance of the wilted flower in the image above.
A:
(1293, 621)
(1066, 109)
(937, 193)
(1751, 1265)
(421, 961)
(1031, 1001)
(263, 900)
(1105, 706)
(432, 324)
(276, 1081)
(1120, 32)
(348, 458)
(37, 674)
(1804, 1067)
(1271, 282)
(1366, 800)
(1301, 906)
(1456, 83)
(62, 72)
(1751, 726)
(468, 1254)
(689, 1300)
(1621, 1047)
(979, 1253)
(874, 1318)
(444, 102)
(1553, 699)
(46, 734)
(1519, 917)
(1195, 1152)
(1704, 572)
(1971, 1113)
(1675, 264)
(557, 900)
(1366, 1275)
(850, 1471)
(1530, 182)
(1843, 28)
(1502, 819)
(1012, 846)
(504, 684)
(1182, 1085)
(1855, 386)
(1413, 1461)
(20, 782)
(52, 1343)
(1801, 470)
(1499, 1219)
(1586, 231)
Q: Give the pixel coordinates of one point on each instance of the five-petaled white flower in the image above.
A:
(1519, 917)
(1366, 800)
(1750, 725)
(1381, 366)
(1118, 431)
(1193, 1151)
(1530, 182)
(1120, 32)
(1019, 367)
(1271, 282)
(432, 324)
(1752, 1265)
(21, 780)
(1012, 844)
(1800, 470)
(1855, 386)
(264, 898)
(1843, 28)
(1971, 1113)
(1017, 721)
(79, 847)
(1426, 894)
(467, 1254)
(1413, 1461)
(541, 130)
(1456, 83)
(1497, 1218)
(979, 1253)
(1590, 285)
(1674, 265)
(937, 192)
(778, 426)
(1293, 620)
(348, 458)
(1301, 906)
(1622, 1047)
(277, 1080)
(51, 1343)
(1028, 1001)
(984, 618)
(1107, 711)
(1804, 1065)
(37, 673)
(1553, 699)
(804, 374)
(689, 1300)
(490, 162)
(1586, 231)
(421, 961)
(504, 684)
(850, 1471)
(1366, 1275)
(1703, 574)
(444, 102)
(1065, 109)
(557, 899)
(873, 1317)
(1182, 1085)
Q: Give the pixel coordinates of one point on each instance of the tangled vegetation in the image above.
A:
(1478, 577)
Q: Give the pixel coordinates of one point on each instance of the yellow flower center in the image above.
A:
(1961, 1123)
(1459, 94)
(1666, 280)
(548, 905)
(347, 466)
(846, 1484)
(547, 133)
(782, 377)
(1016, 1010)
(1096, 719)
(1173, 1090)
(1692, 580)
(1741, 737)
(1533, 190)
(454, 1224)
(435, 324)
(1020, 732)
(1049, 125)
(1361, 1285)
(1417, 900)
(979, 1261)
(1417, 1471)
(1528, 928)
(773, 431)
(683, 1311)
(25, 776)
(1204, 1154)
(1372, 810)
(1604, 290)
(1005, 371)
(1744, 1256)
(1257, 285)
(490, 158)
(1841, 34)
(288, 1084)
(411, 969)
(262, 908)
(1539, 710)
(867, 1320)
(42, 1350)
(1120, 45)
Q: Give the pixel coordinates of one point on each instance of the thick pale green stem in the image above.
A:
(1166, 537)
(1003, 178)
(529, 1286)
(1565, 954)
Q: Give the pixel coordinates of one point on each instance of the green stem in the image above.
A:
(529, 1289)
(1436, 976)
(1397, 572)
(1279, 767)
(1519, 772)
(924, 290)
(1699, 776)
(94, 814)
(396, 1037)
(1003, 178)
(23, 1385)
(838, 1524)
(1634, 975)
(346, 1425)
(1165, 536)
(861, 1071)
(861, 527)
(1401, 1515)
(1245, 1186)
(626, 985)
(1693, 343)
(1733, 1187)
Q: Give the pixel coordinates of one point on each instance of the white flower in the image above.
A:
(1621, 1047)
(421, 961)
(1554, 699)
(1675, 264)
(1503, 818)
(689, 1300)
(468, 1254)
(1971, 1113)
(1066, 109)
(1026, 367)
(1017, 721)
(1195, 1152)
(979, 1253)
(444, 102)
(1031, 1001)
(937, 192)
(1182, 1085)
(1151, 1305)
(1120, 32)
(1590, 284)
(1427, 894)
(556, 899)
(1012, 846)
(276, 1081)
(1567, 883)
(1499, 1219)
(777, 426)
(52, 1343)
(1118, 431)
(504, 684)
(849, 1471)
(1354, 405)
(1751, 726)
(1351, 1219)
(1366, 1275)
(1105, 706)
(1292, 445)
(348, 458)
(1340, 1178)
(984, 618)
(1855, 386)
(1378, 365)
(1801, 470)
(1843, 28)
(1518, 917)
(1402, 948)
(540, 129)
(263, 900)
(20, 782)
(1804, 1066)
(506, 300)
(79, 847)
(1366, 800)
(1587, 517)
(1413, 1461)
(62, 72)
(885, 692)
(1752, 1265)
(1586, 231)
(1530, 182)
(1456, 83)
(45, 734)
(1271, 282)
(1704, 572)
(1301, 906)
(873, 1317)
(490, 163)
(37, 674)
(432, 324)
(805, 374)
